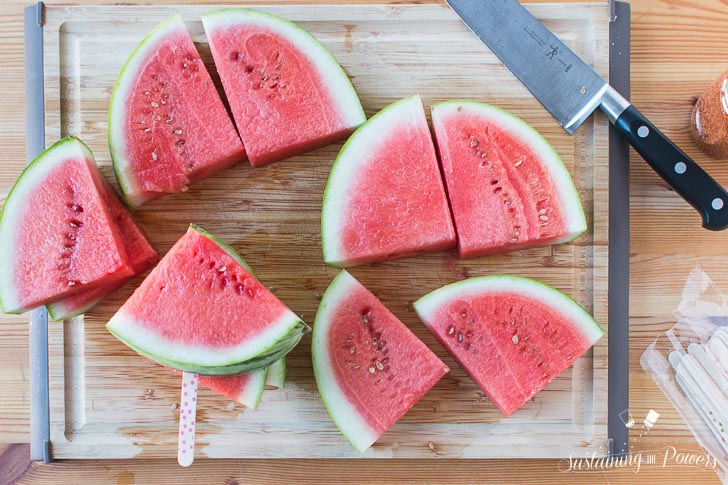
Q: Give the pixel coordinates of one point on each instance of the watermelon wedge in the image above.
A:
(512, 335)
(246, 389)
(384, 198)
(167, 124)
(287, 93)
(370, 368)
(202, 310)
(139, 250)
(508, 188)
(57, 236)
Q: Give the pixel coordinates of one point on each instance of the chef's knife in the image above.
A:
(571, 90)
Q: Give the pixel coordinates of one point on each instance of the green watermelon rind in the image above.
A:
(225, 247)
(277, 374)
(560, 302)
(342, 412)
(294, 331)
(59, 312)
(124, 82)
(253, 392)
(566, 189)
(264, 359)
(31, 170)
(345, 96)
(332, 206)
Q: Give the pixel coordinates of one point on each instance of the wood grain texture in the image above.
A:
(678, 47)
(107, 401)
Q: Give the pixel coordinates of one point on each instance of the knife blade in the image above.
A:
(571, 91)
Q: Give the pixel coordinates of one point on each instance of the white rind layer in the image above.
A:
(117, 107)
(338, 85)
(32, 177)
(342, 411)
(353, 156)
(562, 181)
(277, 374)
(128, 329)
(427, 306)
(252, 393)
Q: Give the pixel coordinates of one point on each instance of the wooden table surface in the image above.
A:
(678, 47)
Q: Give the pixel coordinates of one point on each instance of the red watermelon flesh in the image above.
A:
(384, 198)
(245, 389)
(370, 368)
(512, 335)
(140, 252)
(202, 310)
(57, 236)
(286, 92)
(168, 126)
(507, 187)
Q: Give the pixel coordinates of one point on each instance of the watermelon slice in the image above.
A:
(384, 198)
(57, 236)
(287, 93)
(370, 368)
(508, 188)
(167, 124)
(202, 310)
(512, 335)
(247, 389)
(140, 252)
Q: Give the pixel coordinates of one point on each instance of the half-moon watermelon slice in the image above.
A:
(202, 310)
(287, 93)
(384, 198)
(167, 124)
(370, 368)
(508, 188)
(139, 250)
(512, 335)
(57, 236)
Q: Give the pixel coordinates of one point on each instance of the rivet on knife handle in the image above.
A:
(676, 168)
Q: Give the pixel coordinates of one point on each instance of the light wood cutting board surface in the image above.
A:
(107, 401)
(666, 244)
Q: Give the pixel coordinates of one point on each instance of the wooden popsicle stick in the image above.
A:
(706, 362)
(718, 347)
(710, 421)
(716, 361)
(187, 418)
(702, 389)
(697, 398)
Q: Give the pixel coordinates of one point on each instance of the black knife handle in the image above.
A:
(676, 168)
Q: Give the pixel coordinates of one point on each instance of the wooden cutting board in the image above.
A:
(109, 402)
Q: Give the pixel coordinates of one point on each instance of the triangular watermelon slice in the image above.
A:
(384, 198)
(287, 93)
(370, 368)
(508, 188)
(512, 335)
(246, 389)
(202, 310)
(167, 124)
(139, 250)
(57, 236)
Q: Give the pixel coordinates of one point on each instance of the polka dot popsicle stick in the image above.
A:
(187, 412)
